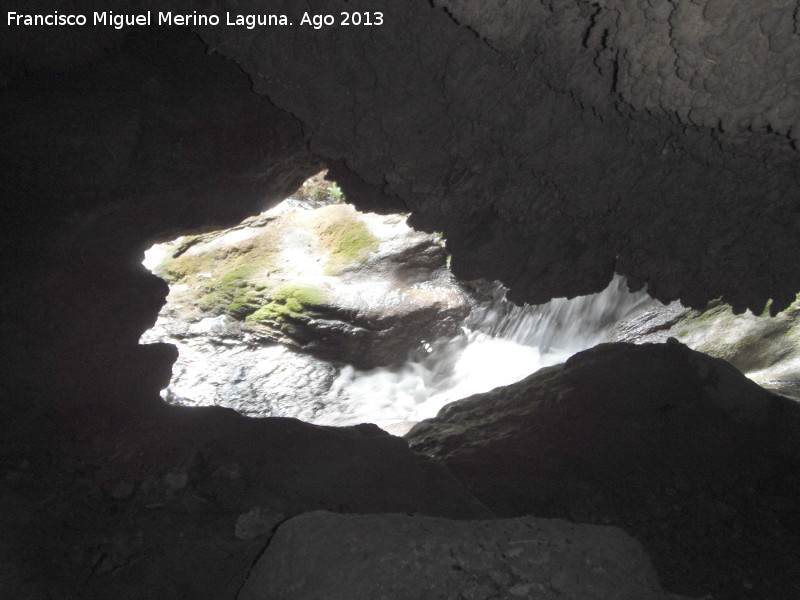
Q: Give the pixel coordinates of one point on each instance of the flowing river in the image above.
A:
(500, 343)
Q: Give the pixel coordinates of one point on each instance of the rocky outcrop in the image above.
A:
(766, 349)
(220, 364)
(400, 557)
(679, 449)
(355, 288)
(667, 137)
(709, 63)
(679, 119)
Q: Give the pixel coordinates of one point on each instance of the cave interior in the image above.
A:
(554, 144)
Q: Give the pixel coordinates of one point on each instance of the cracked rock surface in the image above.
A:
(399, 557)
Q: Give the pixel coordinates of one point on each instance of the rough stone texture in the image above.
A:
(766, 349)
(258, 380)
(727, 66)
(636, 179)
(678, 117)
(207, 489)
(372, 306)
(679, 449)
(396, 557)
(136, 145)
(107, 493)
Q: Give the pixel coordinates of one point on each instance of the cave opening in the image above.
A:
(317, 311)
(314, 310)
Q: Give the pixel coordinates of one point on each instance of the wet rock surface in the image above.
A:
(270, 317)
(255, 379)
(766, 349)
(399, 557)
(677, 448)
(356, 288)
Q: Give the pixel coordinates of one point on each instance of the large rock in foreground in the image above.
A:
(397, 557)
(175, 503)
(678, 448)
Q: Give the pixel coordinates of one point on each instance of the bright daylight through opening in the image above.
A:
(316, 311)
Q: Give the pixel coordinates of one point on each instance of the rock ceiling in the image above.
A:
(552, 142)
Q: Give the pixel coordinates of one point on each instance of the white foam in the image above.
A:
(501, 345)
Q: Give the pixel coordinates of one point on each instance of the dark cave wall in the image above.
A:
(553, 142)
(153, 139)
(512, 132)
(540, 138)
(570, 141)
(721, 64)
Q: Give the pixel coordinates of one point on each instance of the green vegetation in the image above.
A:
(744, 343)
(303, 294)
(254, 279)
(348, 240)
(319, 189)
(233, 293)
(335, 192)
(289, 302)
(230, 280)
(187, 265)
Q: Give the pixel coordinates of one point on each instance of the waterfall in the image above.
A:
(221, 362)
(500, 344)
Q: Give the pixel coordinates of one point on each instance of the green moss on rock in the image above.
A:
(304, 294)
(186, 266)
(348, 240)
(233, 293)
(291, 302)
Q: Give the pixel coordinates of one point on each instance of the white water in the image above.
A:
(500, 344)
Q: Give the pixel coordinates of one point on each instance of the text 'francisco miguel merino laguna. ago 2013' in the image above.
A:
(193, 19)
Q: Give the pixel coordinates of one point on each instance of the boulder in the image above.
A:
(680, 449)
(221, 363)
(399, 557)
(206, 489)
(360, 289)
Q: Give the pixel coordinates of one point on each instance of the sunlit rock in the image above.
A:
(226, 361)
(766, 349)
(362, 289)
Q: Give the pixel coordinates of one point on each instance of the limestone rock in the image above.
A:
(673, 162)
(398, 557)
(199, 538)
(226, 367)
(540, 173)
(766, 349)
(356, 288)
(256, 522)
